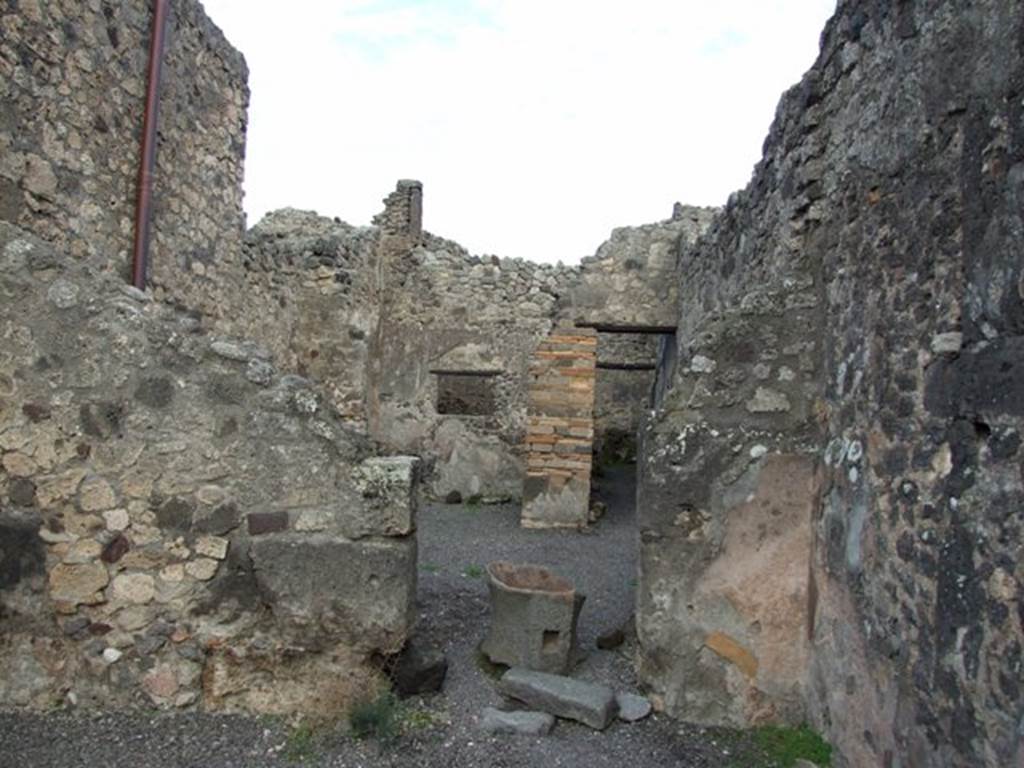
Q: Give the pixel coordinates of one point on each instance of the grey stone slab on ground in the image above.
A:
(589, 703)
(525, 723)
(632, 707)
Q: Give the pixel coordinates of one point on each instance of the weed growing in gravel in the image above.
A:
(473, 571)
(378, 718)
(421, 718)
(431, 567)
(488, 667)
(775, 746)
(300, 746)
(473, 503)
(787, 745)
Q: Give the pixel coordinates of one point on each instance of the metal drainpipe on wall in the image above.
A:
(147, 162)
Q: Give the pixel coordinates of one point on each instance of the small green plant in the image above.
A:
(473, 503)
(431, 567)
(299, 746)
(473, 571)
(378, 718)
(421, 719)
(784, 746)
(488, 667)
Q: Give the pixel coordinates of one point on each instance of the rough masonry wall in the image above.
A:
(452, 313)
(181, 525)
(309, 294)
(73, 83)
(630, 281)
(383, 315)
(847, 398)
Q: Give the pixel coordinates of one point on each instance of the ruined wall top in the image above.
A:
(403, 210)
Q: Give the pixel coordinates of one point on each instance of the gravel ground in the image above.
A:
(456, 542)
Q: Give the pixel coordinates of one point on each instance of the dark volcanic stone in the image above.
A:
(156, 392)
(116, 549)
(421, 669)
(175, 514)
(267, 522)
(223, 519)
(22, 492)
(35, 412)
(22, 553)
(611, 640)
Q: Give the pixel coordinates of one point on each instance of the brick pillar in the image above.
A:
(560, 430)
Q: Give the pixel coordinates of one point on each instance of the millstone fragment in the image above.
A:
(588, 703)
(533, 618)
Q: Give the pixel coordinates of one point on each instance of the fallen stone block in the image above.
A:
(360, 591)
(588, 703)
(520, 722)
(632, 707)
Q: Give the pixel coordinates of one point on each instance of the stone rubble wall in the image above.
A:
(73, 84)
(443, 310)
(451, 312)
(630, 281)
(378, 313)
(181, 525)
(831, 486)
(560, 430)
(310, 296)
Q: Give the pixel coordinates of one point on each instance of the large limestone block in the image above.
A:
(359, 591)
(390, 487)
(548, 504)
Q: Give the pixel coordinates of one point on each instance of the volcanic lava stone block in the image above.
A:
(588, 703)
(533, 618)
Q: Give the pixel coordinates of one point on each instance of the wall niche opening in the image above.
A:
(466, 393)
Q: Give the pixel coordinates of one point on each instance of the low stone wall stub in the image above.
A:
(181, 524)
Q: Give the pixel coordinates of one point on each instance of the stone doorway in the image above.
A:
(588, 390)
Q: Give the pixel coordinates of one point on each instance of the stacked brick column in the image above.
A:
(560, 430)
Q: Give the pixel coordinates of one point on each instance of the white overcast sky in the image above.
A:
(536, 126)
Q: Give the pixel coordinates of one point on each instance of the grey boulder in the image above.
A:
(632, 707)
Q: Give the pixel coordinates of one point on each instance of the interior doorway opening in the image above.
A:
(627, 363)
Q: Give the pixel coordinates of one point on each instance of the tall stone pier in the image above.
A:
(560, 430)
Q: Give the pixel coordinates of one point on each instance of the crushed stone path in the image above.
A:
(455, 544)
